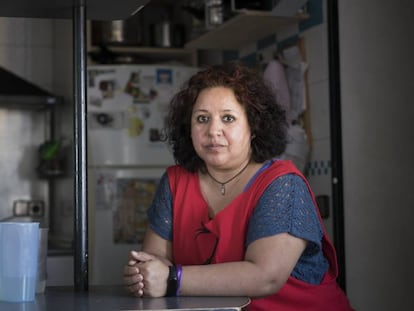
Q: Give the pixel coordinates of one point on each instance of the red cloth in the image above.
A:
(195, 236)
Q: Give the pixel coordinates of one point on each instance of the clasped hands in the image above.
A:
(146, 275)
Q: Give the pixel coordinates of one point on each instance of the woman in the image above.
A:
(230, 219)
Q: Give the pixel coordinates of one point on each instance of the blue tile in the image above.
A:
(315, 11)
(230, 55)
(288, 42)
(265, 42)
(249, 60)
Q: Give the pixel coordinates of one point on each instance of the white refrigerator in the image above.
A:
(127, 106)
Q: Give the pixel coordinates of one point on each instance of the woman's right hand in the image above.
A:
(133, 279)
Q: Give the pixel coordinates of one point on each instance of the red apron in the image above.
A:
(195, 237)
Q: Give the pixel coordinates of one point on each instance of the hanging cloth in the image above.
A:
(274, 74)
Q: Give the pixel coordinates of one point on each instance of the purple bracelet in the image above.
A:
(179, 271)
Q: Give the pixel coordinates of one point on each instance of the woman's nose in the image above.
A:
(215, 127)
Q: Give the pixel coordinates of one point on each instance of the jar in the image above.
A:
(214, 13)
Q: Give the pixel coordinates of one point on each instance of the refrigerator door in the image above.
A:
(127, 106)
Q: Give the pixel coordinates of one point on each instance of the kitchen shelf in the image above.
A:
(153, 54)
(246, 27)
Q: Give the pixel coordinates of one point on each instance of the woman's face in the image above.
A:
(220, 131)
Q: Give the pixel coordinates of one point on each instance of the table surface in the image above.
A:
(104, 298)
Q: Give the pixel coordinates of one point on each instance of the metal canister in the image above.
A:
(214, 13)
(162, 34)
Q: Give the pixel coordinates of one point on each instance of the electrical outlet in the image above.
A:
(34, 208)
(20, 208)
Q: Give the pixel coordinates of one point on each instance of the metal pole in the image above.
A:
(336, 139)
(81, 280)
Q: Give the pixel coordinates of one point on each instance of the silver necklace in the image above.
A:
(223, 184)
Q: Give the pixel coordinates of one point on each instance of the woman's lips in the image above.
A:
(214, 147)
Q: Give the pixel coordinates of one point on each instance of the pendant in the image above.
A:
(222, 189)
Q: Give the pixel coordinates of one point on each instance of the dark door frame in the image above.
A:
(336, 138)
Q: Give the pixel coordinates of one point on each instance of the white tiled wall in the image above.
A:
(26, 49)
(39, 50)
(319, 162)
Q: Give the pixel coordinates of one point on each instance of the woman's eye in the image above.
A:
(202, 119)
(228, 118)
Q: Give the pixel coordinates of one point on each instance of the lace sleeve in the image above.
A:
(286, 206)
(159, 213)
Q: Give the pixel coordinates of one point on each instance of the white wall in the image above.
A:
(26, 48)
(376, 51)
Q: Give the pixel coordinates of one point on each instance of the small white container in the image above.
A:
(42, 260)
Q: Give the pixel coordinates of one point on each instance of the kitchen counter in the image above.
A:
(112, 298)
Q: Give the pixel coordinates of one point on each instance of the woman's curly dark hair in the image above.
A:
(266, 118)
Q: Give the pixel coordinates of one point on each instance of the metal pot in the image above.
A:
(118, 32)
(162, 34)
(165, 34)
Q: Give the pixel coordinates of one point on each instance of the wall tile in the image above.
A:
(320, 157)
(230, 55)
(39, 32)
(26, 49)
(247, 50)
(39, 66)
(315, 10)
(316, 47)
(13, 31)
(319, 110)
(3, 31)
(12, 58)
(286, 32)
(319, 174)
(266, 41)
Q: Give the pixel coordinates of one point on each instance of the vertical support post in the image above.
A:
(81, 280)
(50, 183)
(336, 139)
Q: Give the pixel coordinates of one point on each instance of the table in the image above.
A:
(112, 298)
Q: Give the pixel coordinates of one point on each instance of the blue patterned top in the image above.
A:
(286, 206)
